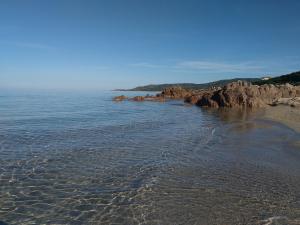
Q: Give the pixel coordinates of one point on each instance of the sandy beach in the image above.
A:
(289, 116)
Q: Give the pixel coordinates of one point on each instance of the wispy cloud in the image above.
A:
(212, 66)
(30, 45)
(205, 66)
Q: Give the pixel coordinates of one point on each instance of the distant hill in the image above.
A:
(160, 87)
(292, 78)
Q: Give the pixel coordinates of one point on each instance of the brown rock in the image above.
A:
(120, 98)
(175, 92)
(138, 98)
(244, 94)
(155, 98)
(193, 99)
(236, 94)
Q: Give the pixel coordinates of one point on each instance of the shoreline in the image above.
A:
(280, 103)
(284, 114)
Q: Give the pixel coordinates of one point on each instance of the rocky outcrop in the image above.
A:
(175, 92)
(147, 98)
(244, 94)
(138, 98)
(235, 94)
(120, 98)
(156, 98)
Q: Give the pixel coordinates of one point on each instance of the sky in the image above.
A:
(107, 44)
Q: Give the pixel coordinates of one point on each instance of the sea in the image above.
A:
(81, 158)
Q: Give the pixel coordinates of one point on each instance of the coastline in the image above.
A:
(287, 115)
(280, 103)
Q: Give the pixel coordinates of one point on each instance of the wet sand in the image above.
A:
(287, 115)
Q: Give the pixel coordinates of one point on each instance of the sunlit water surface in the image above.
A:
(83, 159)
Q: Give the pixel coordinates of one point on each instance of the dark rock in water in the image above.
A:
(120, 98)
(244, 94)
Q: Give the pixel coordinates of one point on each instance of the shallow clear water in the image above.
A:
(83, 159)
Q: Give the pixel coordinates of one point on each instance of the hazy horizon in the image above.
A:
(104, 45)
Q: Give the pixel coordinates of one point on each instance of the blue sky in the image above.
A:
(124, 43)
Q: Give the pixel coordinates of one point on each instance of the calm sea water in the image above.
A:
(83, 159)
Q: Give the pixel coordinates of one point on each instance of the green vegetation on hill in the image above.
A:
(292, 78)
(160, 87)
